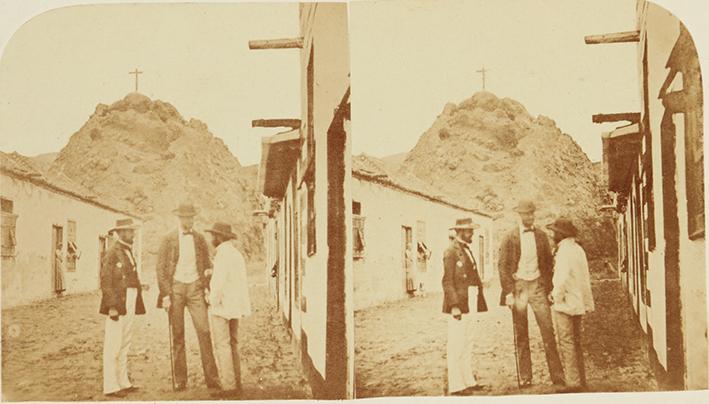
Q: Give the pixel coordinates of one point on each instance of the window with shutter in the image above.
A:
(72, 250)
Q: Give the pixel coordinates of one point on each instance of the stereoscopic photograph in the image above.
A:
(347, 200)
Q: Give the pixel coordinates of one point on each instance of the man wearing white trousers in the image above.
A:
(121, 300)
(460, 272)
(229, 301)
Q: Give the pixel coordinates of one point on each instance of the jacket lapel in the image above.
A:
(517, 248)
(463, 256)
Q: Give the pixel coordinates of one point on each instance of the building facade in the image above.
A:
(400, 232)
(655, 174)
(304, 177)
(51, 235)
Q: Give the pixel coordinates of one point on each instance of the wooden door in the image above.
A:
(57, 257)
(102, 248)
(407, 253)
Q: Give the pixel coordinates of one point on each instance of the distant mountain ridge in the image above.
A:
(144, 155)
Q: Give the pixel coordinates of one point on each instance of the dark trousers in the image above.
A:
(190, 295)
(532, 293)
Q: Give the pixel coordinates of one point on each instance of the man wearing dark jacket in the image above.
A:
(525, 267)
(182, 272)
(460, 272)
(121, 300)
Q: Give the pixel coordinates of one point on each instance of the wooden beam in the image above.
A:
(284, 43)
(632, 117)
(276, 123)
(616, 37)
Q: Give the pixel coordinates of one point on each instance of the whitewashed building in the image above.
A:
(655, 170)
(48, 226)
(400, 232)
(304, 177)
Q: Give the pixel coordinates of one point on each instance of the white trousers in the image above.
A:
(459, 353)
(116, 343)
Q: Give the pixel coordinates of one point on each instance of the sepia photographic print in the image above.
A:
(350, 200)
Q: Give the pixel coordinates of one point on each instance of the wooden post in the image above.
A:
(616, 37)
(632, 117)
(286, 43)
(276, 123)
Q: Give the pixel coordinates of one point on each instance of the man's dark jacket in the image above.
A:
(508, 261)
(169, 253)
(459, 273)
(118, 273)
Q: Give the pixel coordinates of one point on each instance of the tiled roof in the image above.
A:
(22, 167)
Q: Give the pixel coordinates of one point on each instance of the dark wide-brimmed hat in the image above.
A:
(125, 224)
(525, 206)
(464, 224)
(563, 226)
(186, 209)
(222, 229)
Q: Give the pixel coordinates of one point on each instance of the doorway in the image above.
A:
(407, 258)
(102, 248)
(57, 253)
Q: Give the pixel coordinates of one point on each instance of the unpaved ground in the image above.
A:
(52, 350)
(400, 348)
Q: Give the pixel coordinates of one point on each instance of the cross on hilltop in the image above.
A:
(136, 72)
(482, 72)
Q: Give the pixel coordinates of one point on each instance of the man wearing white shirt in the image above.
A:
(525, 268)
(182, 272)
(460, 274)
(571, 298)
(229, 301)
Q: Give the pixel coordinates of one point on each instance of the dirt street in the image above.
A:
(52, 350)
(401, 348)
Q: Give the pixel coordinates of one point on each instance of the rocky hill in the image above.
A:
(146, 158)
(488, 153)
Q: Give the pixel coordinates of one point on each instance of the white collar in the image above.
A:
(568, 240)
(522, 228)
(130, 246)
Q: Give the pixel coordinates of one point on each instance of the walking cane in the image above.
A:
(514, 334)
(172, 360)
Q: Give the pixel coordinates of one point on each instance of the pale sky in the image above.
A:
(409, 58)
(58, 66)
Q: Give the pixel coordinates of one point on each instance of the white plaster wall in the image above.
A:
(380, 277)
(31, 277)
(692, 280)
(324, 26)
(662, 31)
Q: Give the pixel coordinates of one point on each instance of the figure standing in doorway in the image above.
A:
(59, 287)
